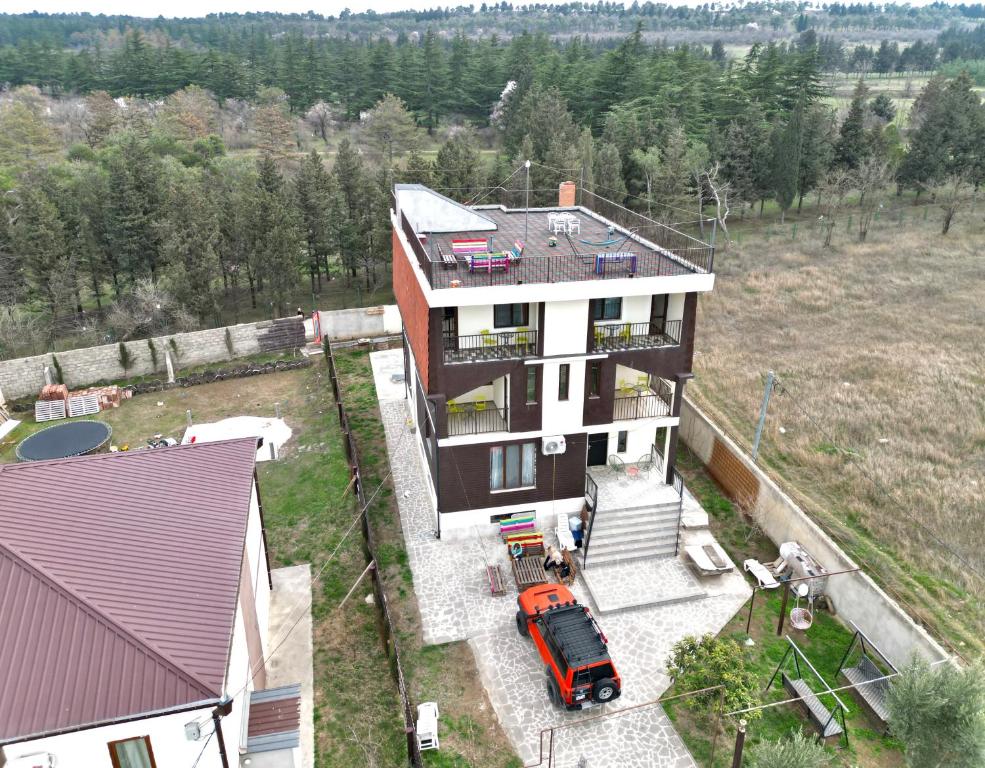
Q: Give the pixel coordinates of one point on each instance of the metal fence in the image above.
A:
(388, 633)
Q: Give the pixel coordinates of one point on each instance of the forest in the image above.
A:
(168, 174)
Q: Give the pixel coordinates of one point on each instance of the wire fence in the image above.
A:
(388, 633)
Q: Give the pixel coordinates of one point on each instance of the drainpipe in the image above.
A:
(224, 708)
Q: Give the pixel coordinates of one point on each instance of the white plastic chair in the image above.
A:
(564, 538)
(427, 726)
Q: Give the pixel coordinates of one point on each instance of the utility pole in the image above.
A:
(740, 740)
(770, 384)
(526, 207)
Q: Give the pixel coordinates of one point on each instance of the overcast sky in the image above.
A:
(202, 7)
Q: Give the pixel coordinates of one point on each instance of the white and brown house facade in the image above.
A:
(539, 344)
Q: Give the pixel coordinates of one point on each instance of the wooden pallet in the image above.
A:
(83, 405)
(497, 585)
(49, 410)
(528, 572)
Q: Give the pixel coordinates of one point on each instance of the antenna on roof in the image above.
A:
(526, 210)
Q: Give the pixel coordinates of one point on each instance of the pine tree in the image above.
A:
(851, 147)
(312, 192)
(787, 142)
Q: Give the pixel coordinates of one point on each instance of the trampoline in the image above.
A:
(73, 438)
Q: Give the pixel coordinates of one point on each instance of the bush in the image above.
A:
(153, 354)
(229, 344)
(793, 751)
(696, 663)
(939, 714)
(59, 374)
(125, 357)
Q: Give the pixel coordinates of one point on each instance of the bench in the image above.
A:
(820, 716)
(489, 261)
(448, 260)
(873, 694)
(602, 260)
(494, 575)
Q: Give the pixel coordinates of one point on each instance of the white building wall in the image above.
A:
(463, 525)
(563, 416)
(258, 568)
(473, 320)
(565, 327)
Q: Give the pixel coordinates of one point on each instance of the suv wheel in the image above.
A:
(552, 692)
(605, 690)
(521, 624)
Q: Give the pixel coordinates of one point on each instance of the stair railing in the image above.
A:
(592, 498)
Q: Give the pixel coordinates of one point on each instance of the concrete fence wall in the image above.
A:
(24, 377)
(856, 596)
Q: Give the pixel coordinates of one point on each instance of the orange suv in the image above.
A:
(580, 673)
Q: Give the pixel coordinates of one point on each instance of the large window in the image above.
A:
(563, 378)
(622, 438)
(132, 753)
(510, 315)
(512, 466)
(607, 309)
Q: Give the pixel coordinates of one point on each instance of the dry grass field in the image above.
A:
(879, 427)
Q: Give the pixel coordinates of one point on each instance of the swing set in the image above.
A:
(829, 723)
(868, 673)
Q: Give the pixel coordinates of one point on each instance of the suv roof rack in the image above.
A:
(575, 634)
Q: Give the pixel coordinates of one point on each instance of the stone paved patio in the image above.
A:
(657, 581)
(455, 604)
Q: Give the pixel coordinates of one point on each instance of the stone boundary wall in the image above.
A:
(24, 377)
(856, 596)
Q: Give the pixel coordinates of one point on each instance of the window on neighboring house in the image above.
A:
(531, 384)
(621, 443)
(132, 753)
(563, 375)
(607, 309)
(512, 466)
(594, 378)
(510, 315)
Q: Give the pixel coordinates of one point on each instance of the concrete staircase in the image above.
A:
(633, 533)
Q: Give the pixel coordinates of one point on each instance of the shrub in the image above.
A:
(125, 357)
(153, 353)
(792, 751)
(229, 344)
(175, 352)
(59, 374)
(696, 663)
(939, 714)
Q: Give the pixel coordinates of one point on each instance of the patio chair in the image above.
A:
(617, 465)
(479, 405)
(644, 464)
(427, 726)
(454, 407)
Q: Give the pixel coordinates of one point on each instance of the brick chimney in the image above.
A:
(566, 194)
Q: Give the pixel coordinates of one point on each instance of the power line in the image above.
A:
(853, 456)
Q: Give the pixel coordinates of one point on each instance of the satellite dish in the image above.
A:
(802, 589)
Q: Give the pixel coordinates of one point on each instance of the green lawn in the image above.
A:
(824, 644)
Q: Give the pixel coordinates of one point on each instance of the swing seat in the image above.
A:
(801, 618)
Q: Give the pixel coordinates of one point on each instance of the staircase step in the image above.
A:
(605, 516)
(641, 530)
(643, 545)
(595, 559)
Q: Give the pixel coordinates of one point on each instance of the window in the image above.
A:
(621, 444)
(132, 753)
(512, 466)
(594, 378)
(531, 384)
(510, 315)
(563, 375)
(607, 309)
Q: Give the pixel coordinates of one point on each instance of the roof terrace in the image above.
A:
(503, 246)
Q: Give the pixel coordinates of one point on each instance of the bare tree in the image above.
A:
(322, 117)
(830, 197)
(951, 193)
(718, 191)
(871, 178)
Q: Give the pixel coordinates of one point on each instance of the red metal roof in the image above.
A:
(119, 577)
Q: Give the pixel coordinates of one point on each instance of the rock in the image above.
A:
(369, 599)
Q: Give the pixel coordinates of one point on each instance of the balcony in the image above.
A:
(487, 345)
(643, 402)
(617, 337)
(476, 418)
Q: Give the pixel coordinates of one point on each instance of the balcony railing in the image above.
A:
(619, 336)
(644, 405)
(489, 346)
(476, 418)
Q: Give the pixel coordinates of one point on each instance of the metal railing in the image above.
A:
(498, 345)
(678, 483)
(592, 497)
(646, 405)
(476, 418)
(612, 337)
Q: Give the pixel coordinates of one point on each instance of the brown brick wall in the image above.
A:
(463, 479)
(413, 307)
(739, 483)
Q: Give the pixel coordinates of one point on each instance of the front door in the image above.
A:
(598, 449)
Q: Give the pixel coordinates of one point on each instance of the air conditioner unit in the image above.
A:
(37, 760)
(553, 445)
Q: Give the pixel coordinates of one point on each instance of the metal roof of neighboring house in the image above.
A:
(275, 719)
(429, 211)
(119, 578)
